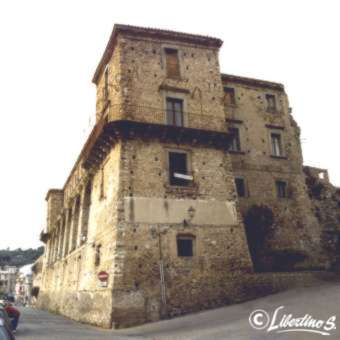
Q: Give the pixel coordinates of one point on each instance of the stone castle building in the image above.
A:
(157, 216)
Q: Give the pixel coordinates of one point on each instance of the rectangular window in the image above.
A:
(281, 189)
(235, 144)
(172, 63)
(178, 169)
(276, 144)
(185, 245)
(240, 187)
(271, 102)
(174, 111)
(229, 96)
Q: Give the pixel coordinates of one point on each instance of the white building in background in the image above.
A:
(23, 289)
(8, 276)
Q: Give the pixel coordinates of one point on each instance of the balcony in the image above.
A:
(131, 121)
(153, 115)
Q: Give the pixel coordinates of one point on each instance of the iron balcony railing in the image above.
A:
(214, 121)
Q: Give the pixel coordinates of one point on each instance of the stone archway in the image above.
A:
(258, 221)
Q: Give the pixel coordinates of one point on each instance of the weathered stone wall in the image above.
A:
(55, 200)
(70, 284)
(144, 84)
(295, 227)
(260, 284)
(326, 208)
(220, 247)
(221, 251)
(109, 87)
(118, 212)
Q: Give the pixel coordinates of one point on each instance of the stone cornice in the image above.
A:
(127, 129)
(252, 82)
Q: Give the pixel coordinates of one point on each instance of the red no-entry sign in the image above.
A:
(103, 276)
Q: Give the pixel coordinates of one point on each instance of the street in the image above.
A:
(231, 322)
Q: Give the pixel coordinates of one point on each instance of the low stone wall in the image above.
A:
(254, 285)
(89, 307)
(97, 309)
(237, 288)
(261, 284)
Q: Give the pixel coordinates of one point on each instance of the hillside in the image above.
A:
(19, 257)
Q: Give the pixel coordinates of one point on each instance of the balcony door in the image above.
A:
(174, 111)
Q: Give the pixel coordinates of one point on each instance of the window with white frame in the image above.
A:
(174, 111)
(276, 144)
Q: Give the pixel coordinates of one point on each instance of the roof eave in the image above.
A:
(252, 82)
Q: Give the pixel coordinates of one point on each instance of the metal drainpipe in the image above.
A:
(164, 312)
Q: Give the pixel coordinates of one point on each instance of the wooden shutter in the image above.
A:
(172, 63)
(229, 96)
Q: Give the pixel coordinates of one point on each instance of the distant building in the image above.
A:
(8, 275)
(23, 288)
(189, 186)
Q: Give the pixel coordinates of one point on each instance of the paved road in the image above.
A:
(224, 323)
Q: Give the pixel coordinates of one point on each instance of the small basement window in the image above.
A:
(281, 189)
(185, 245)
(178, 169)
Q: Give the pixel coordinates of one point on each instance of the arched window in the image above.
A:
(75, 223)
(68, 231)
(86, 212)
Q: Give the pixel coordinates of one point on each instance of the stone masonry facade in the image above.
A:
(152, 220)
